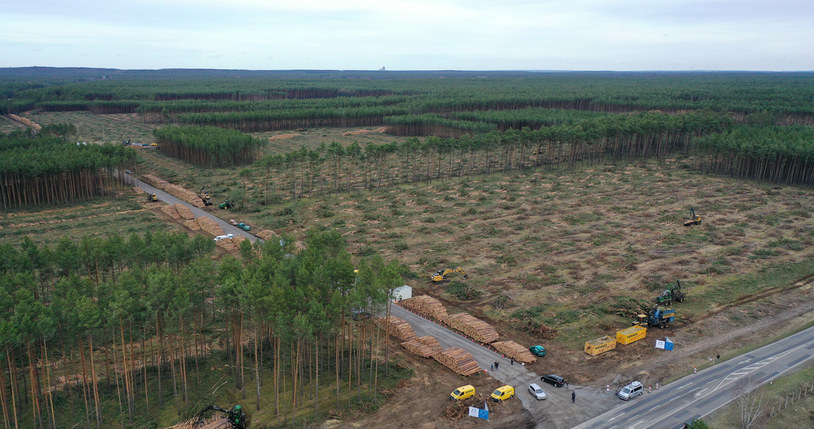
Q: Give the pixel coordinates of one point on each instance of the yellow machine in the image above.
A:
(441, 276)
(694, 219)
(152, 198)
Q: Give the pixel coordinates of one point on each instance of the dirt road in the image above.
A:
(555, 412)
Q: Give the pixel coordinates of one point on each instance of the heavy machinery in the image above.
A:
(237, 418)
(672, 293)
(441, 276)
(226, 205)
(659, 316)
(204, 196)
(152, 198)
(694, 218)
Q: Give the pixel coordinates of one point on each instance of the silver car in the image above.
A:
(536, 391)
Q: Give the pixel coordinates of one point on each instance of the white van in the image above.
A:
(630, 391)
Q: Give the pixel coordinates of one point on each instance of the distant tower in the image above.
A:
(381, 69)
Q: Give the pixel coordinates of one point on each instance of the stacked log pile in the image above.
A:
(209, 226)
(399, 328)
(458, 360)
(473, 327)
(192, 225)
(425, 346)
(184, 211)
(426, 306)
(174, 190)
(170, 211)
(515, 351)
(266, 234)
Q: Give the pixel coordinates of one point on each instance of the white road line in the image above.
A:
(698, 393)
(633, 426)
(618, 415)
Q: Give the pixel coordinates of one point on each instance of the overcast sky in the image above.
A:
(410, 35)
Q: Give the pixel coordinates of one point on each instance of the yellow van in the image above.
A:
(462, 392)
(503, 393)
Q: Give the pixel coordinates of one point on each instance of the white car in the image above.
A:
(536, 391)
(224, 237)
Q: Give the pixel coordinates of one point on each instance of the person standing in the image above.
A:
(497, 365)
(574, 396)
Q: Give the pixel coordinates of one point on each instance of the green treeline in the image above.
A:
(208, 146)
(138, 321)
(788, 96)
(47, 169)
(266, 120)
(334, 168)
(778, 154)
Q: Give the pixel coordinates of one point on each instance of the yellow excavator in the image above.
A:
(152, 198)
(694, 218)
(441, 276)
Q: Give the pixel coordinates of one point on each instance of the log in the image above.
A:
(515, 351)
(399, 328)
(426, 306)
(170, 211)
(209, 226)
(458, 360)
(425, 346)
(473, 327)
(184, 211)
(266, 234)
(211, 423)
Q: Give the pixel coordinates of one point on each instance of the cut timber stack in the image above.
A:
(399, 328)
(266, 234)
(426, 306)
(458, 360)
(192, 225)
(209, 226)
(425, 346)
(170, 211)
(174, 190)
(475, 328)
(184, 211)
(515, 351)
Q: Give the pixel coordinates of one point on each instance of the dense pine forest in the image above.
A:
(126, 322)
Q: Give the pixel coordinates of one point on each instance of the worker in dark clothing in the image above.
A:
(497, 364)
(574, 396)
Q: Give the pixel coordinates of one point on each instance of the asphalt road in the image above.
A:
(557, 411)
(169, 199)
(700, 394)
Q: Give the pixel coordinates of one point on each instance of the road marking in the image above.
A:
(685, 386)
(743, 361)
(698, 393)
(618, 415)
(633, 426)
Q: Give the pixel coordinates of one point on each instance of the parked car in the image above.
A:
(462, 392)
(224, 237)
(536, 391)
(244, 226)
(630, 391)
(553, 379)
(502, 393)
(538, 350)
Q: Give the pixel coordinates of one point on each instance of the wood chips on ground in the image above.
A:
(473, 327)
(515, 351)
(458, 360)
(426, 306)
(283, 136)
(184, 211)
(425, 346)
(379, 130)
